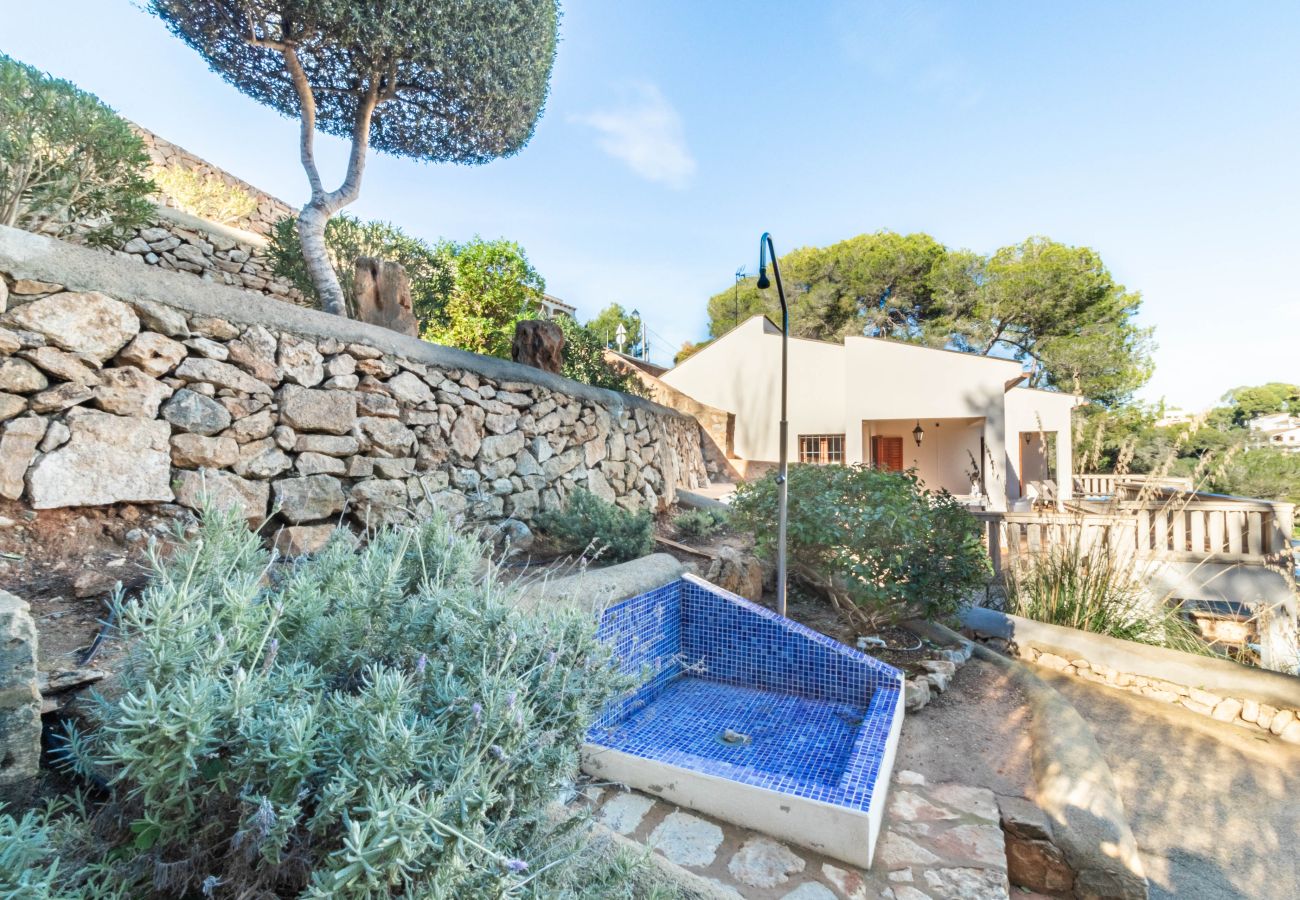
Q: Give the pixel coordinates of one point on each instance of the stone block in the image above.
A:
(20, 701)
(107, 459)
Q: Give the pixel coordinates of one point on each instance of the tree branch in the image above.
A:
(307, 119)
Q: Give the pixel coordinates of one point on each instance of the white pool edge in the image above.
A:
(848, 835)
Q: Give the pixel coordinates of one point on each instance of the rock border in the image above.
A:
(1220, 689)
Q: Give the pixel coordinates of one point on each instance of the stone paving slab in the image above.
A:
(940, 842)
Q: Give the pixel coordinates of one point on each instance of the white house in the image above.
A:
(962, 421)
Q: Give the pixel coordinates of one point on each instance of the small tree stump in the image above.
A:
(383, 295)
(540, 344)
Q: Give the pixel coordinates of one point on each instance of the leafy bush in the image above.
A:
(879, 545)
(430, 269)
(494, 287)
(584, 360)
(588, 522)
(205, 196)
(701, 523)
(1098, 590)
(363, 723)
(67, 162)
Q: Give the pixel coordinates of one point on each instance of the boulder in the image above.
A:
(91, 323)
(328, 444)
(18, 443)
(153, 353)
(383, 295)
(467, 432)
(738, 573)
(163, 319)
(128, 391)
(223, 491)
(408, 388)
(188, 411)
(309, 498)
(254, 427)
(302, 540)
(255, 359)
(194, 451)
(328, 412)
(64, 365)
(9, 342)
(107, 459)
(501, 446)
(380, 501)
(540, 344)
(319, 464)
(300, 362)
(223, 375)
(387, 435)
(10, 406)
(261, 459)
(61, 396)
(20, 700)
(18, 376)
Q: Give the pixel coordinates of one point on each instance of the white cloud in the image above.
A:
(645, 132)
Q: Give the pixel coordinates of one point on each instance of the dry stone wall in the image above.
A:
(119, 383)
(183, 243)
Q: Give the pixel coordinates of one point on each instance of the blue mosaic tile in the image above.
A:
(815, 714)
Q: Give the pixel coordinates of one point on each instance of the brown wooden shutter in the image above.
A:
(887, 452)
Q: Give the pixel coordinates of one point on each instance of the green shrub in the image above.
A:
(429, 268)
(701, 523)
(879, 545)
(67, 161)
(584, 360)
(1098, 590)
(362, 723)
(205, 196)
(590, 523)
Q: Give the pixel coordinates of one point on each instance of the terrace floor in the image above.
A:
(941, 838)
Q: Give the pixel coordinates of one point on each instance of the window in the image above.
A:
(887, 452)
(821, 449)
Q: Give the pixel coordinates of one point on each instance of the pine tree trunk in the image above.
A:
(311, 236)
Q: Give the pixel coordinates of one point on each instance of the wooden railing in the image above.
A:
(1109, 484)
(1176, 527)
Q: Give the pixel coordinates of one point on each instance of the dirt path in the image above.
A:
(1215, 808)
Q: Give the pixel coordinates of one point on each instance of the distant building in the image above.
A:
(554, 306)
(1280, 430)
(1172, 416)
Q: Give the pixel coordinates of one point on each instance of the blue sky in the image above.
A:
(1164, 135)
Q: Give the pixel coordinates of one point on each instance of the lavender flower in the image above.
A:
(516, 865)
(498, 753)
(510, 700)
(210, 885)
(421, 663)
(477, 710)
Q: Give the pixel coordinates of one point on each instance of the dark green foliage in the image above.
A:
(363, 723)
(701, 523)
(68, 163)
(455, 82)
(584, 360)
(494, 287)
(1052, 306)
(1247, 403)
(609, 531)
(879, 545)
(430, 269)
(604, 325)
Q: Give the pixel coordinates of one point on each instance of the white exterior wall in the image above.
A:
(869, 385)
(1033, 412)
(741, 373)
